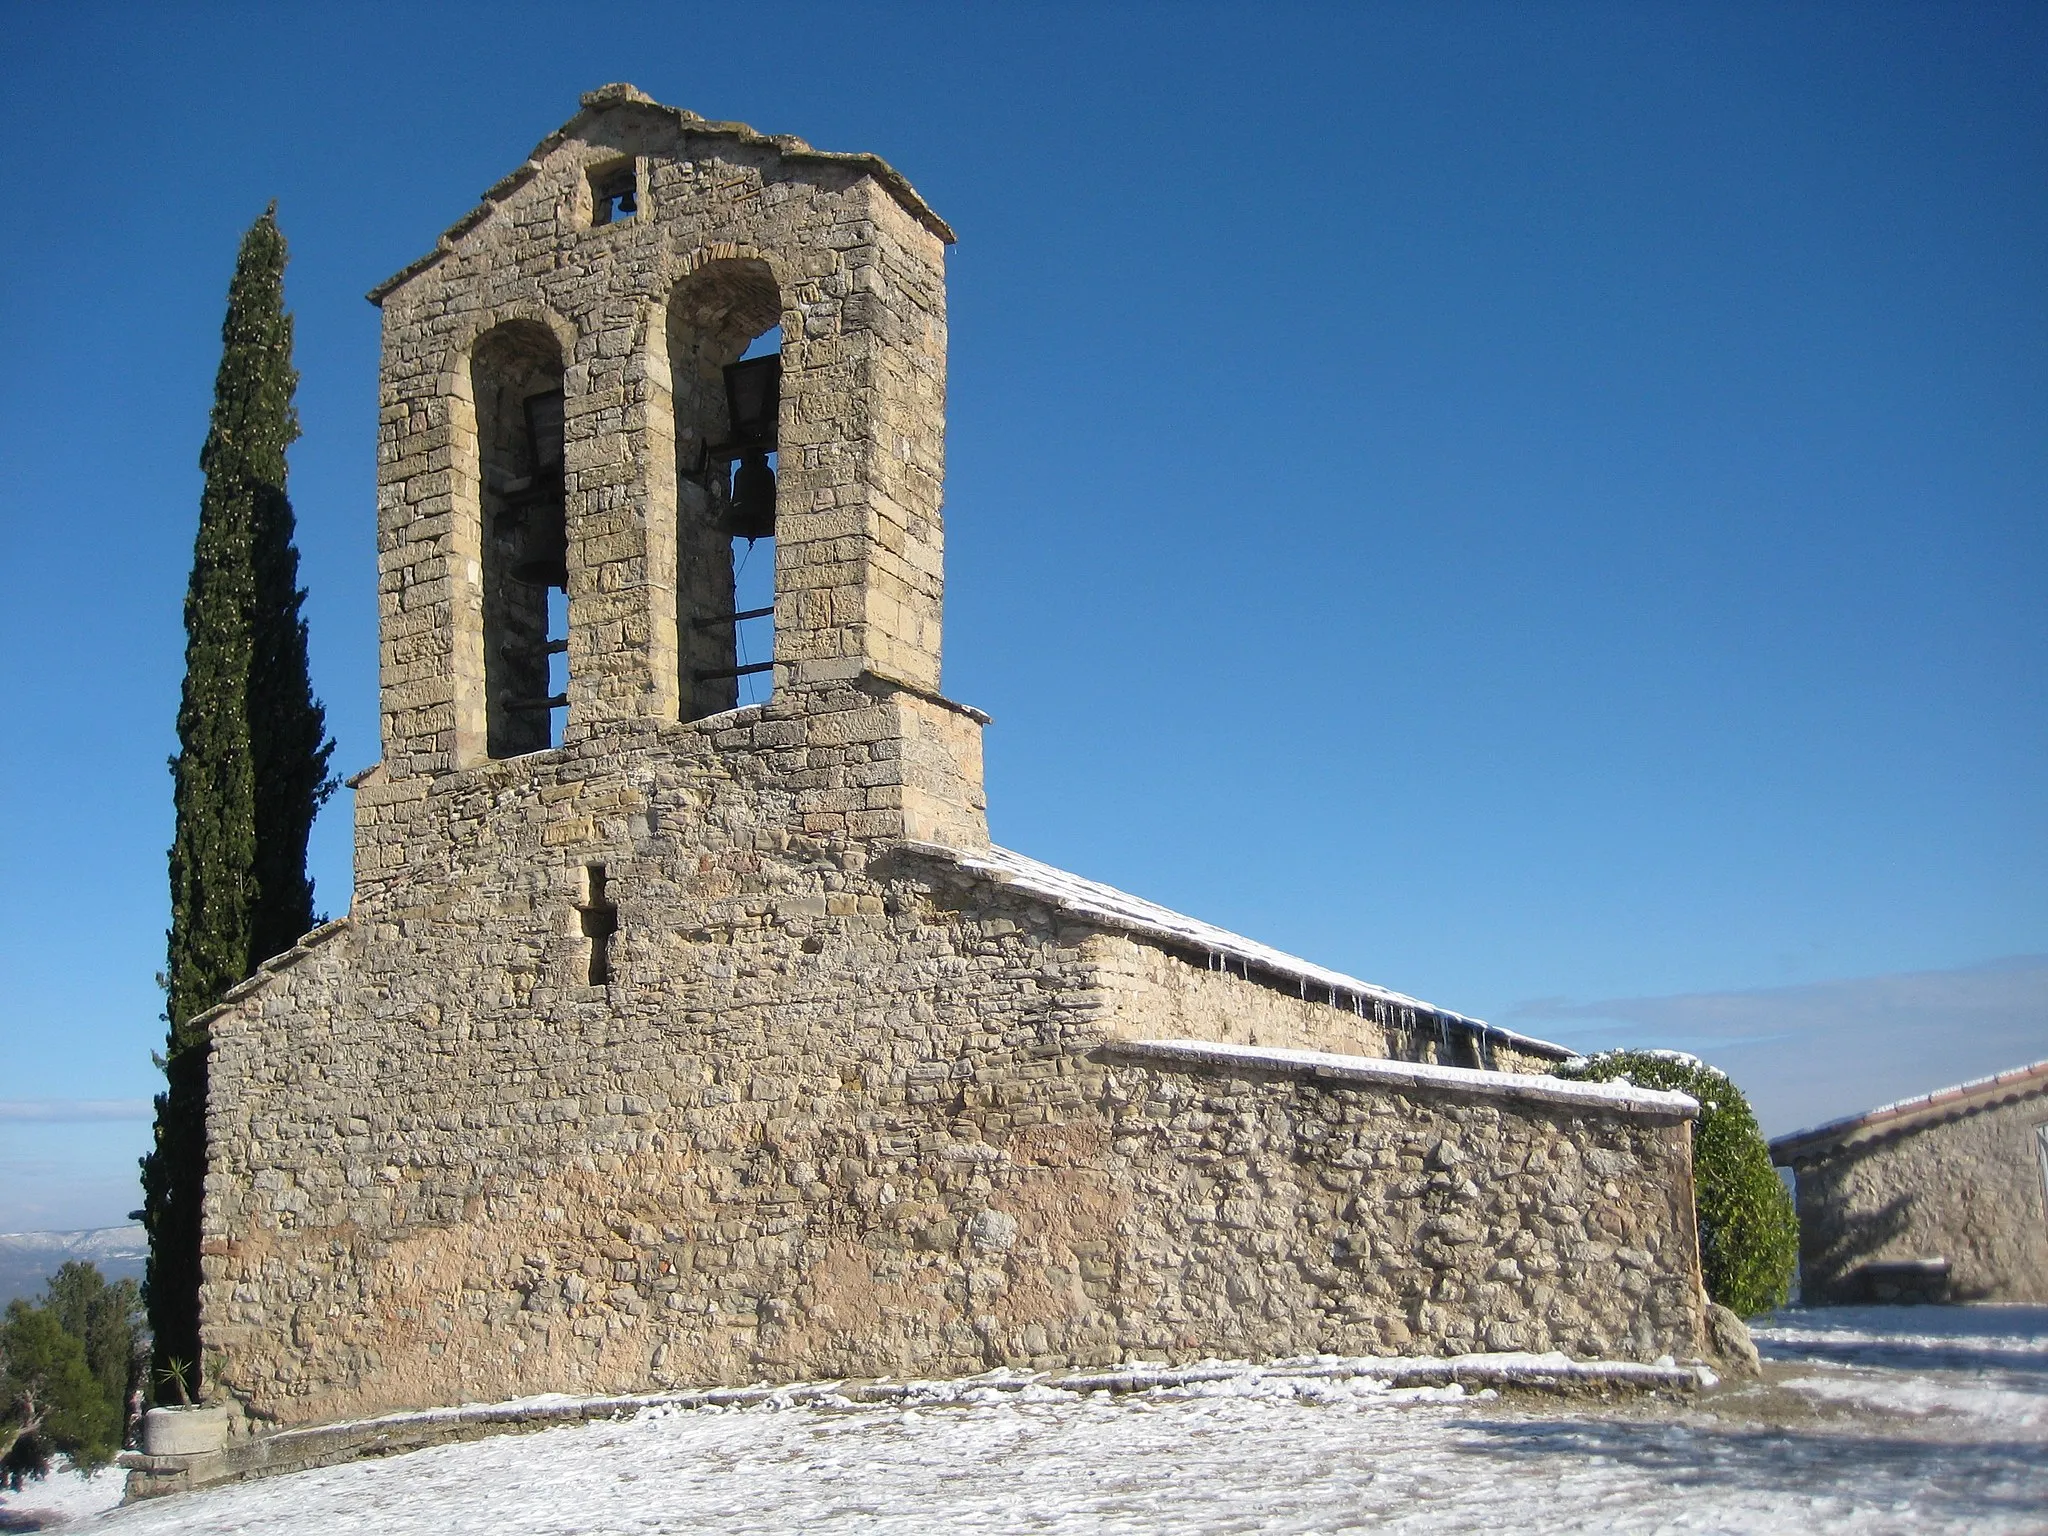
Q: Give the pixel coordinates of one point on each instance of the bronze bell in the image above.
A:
(753, 395)
(541, 506)
(545, 559)
(753, 499)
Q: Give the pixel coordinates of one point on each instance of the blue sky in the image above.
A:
(1538, 506)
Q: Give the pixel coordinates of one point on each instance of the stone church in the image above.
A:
(675, 1040)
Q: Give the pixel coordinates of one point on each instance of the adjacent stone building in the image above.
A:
(1938, 1198)
(670, 1041)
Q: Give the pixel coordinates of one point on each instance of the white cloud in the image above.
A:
(1809, 1053)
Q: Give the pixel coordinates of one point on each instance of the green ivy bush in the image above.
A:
(1749, 1232)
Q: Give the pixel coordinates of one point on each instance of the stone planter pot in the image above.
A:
(185, 1431)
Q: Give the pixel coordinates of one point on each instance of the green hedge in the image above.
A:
(1749, 1233)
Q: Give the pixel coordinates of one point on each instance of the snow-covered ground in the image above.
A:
(60, 1500)
(1941, 1366)
(1875, 1420)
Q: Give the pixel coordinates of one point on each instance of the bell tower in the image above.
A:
(657, 336)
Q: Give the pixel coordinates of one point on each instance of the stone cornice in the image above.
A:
(1410, 1076)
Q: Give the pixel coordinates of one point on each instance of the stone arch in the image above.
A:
(722, 299)
(507, 422)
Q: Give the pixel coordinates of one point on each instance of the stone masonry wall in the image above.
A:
(835, 1113)
(1967, 1189)
(1271, 1208)
(1171, 996)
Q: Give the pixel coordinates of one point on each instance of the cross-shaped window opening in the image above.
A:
(600, 921)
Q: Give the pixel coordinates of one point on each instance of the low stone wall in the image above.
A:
(1280, 1201)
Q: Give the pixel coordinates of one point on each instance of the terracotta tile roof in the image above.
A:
(1904, 1114)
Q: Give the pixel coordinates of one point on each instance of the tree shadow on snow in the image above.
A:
(1944, 1478)
(13, 1520)
(1911, 1355)
(2015, 1323)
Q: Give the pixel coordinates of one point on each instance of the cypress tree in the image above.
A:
(251, 768)
(287, 727)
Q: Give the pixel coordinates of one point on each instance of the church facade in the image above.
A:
(678, 1040)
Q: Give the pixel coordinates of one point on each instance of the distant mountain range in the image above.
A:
(28, 1259)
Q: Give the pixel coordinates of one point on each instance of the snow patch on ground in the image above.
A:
(1984, 1363)
(61, 1499)
(1945, 1444)
(1920, 1397)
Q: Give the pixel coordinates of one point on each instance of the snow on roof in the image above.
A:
(1119, 909)
(1961, 1096)
(1415, 1074)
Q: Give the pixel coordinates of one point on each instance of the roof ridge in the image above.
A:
(1899, 1109)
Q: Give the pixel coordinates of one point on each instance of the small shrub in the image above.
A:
(1749, 1233)
(107, 1320)
(50, 1401)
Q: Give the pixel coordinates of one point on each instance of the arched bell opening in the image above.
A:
(725, 367)
(516, 380)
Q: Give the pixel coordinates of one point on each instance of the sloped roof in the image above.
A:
(789, 146)
(1119, 909)
(1900, 1115)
